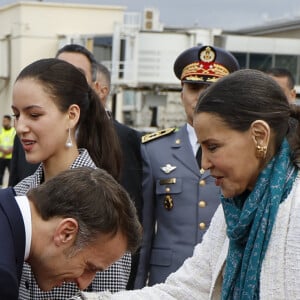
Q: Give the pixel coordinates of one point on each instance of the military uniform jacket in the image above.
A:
(179, 202)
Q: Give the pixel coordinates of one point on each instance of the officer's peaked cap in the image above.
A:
(204, 64)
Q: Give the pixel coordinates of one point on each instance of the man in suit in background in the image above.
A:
(58, 229)
(179, 196)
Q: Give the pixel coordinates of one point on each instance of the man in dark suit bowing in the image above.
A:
(60, 229)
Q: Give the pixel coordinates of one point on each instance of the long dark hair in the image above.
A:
(66, 85)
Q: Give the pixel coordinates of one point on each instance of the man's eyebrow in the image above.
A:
(92, 267)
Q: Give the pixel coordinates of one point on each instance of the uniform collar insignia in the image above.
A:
(168, 168)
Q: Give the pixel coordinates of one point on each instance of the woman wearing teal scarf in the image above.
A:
(250, 210)
(251, 145)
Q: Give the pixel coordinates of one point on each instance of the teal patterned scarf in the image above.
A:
(250, 218)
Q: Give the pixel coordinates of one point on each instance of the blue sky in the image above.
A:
(225, 14)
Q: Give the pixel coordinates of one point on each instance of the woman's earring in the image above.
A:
(69, 142)
(261, 151)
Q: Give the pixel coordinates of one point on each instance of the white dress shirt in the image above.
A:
(24, 206)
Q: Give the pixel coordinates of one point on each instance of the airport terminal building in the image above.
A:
(138, 50)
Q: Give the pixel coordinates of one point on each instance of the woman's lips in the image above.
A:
(218, 180)
(27, 144)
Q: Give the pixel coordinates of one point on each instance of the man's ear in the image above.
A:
(104, 91)
(65, 232)
(97, 86)
(261, 132)
(293, 95)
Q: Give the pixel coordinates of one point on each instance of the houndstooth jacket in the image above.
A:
(113, 279)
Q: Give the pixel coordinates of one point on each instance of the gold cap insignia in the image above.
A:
(207, 55)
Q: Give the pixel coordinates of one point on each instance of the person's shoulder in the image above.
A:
(158, 134)
(7, 193)
(122, 127)
(119, 125)
(125, 131)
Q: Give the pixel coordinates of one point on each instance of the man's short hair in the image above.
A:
(7, 117)
(94, 199)
(75, 48)
(282, 72)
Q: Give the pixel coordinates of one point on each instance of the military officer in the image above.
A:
(179, 196)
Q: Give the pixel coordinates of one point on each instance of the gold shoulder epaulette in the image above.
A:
(154, 135)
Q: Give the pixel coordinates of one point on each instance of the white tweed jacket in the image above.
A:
(200, 277)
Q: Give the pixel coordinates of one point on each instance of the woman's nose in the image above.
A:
(20, 126)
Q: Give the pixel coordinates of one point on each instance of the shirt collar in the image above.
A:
(192, 138)
(24, 206)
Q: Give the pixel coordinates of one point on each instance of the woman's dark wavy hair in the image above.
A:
(66, 85)
(248, 95)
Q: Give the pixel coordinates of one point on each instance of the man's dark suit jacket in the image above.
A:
(131, 173)
(12, 249)
(131, 176)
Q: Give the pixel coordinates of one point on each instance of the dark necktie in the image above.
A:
(198, 156)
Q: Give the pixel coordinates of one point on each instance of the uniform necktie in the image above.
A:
(198, 156)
